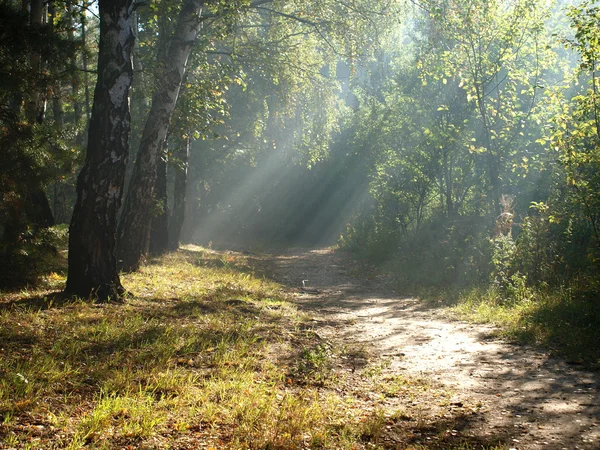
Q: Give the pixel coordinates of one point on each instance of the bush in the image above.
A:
(35, 251)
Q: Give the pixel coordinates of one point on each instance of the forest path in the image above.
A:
(531, 400)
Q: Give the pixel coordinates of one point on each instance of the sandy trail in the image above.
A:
(531, 399)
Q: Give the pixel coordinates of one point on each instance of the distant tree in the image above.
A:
(92, 233)
(495, 50)
(177, 216)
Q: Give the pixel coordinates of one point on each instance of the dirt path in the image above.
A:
(530, 399)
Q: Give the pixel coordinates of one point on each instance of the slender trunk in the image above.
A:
(36, 103)
(38, 208)
(139, 94)
(448, 176)
(73, 66)
(16, 101)
(57, 106)
(92, 263)
(179, 191)
(159, 235)
(86, 84)
(134, 228)
(491, 154)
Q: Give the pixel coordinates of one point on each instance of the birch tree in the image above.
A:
(134, 229)
(92, 262)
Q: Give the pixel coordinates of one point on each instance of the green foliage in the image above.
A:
(462, 122)
(34, 154)
(503, 250)
(575, 136)
(314, 364)
(35, 254)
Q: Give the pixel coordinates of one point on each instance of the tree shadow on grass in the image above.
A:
(57, 299)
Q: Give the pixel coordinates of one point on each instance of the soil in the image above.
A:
(495, 391)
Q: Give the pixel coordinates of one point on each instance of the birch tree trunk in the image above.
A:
(134, 229)
(159, 234)
(92, 263)
(179, 192)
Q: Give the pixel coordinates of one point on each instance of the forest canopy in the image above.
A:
(454, 141)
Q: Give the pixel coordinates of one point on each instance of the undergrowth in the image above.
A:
(561, 319)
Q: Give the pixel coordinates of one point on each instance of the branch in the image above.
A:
(254, 4)
(363, 11)
(289, 16)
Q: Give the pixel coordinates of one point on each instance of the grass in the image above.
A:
(556, 318)
(205, 354)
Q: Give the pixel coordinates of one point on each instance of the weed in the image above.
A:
(373, 426)
(314, 363)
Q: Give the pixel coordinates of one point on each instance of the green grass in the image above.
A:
(204, 354)
(201, 353)
(556, 318)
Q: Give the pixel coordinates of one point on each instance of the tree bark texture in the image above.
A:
(134, 229)
(179, 191)
(92, 263)
(159, 234)
(38, 208)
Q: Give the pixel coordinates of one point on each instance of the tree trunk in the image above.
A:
(57, 106)
(92, 263)
(134, 228)
(86, 84)
(38, 209)
(159, 234)
(179, 191)
(36, 103)
(73, 66)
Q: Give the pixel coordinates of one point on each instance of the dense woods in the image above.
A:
(456, 142)
(245, 224)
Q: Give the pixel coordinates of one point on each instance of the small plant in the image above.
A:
(373, 426)
(314, 363)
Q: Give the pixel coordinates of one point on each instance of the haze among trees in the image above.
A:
(454, 141)
(452, 145)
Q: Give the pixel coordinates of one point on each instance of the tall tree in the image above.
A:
(134, 228)
(92, 261)
(159, 232)
(36, 103)
(494, 49)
